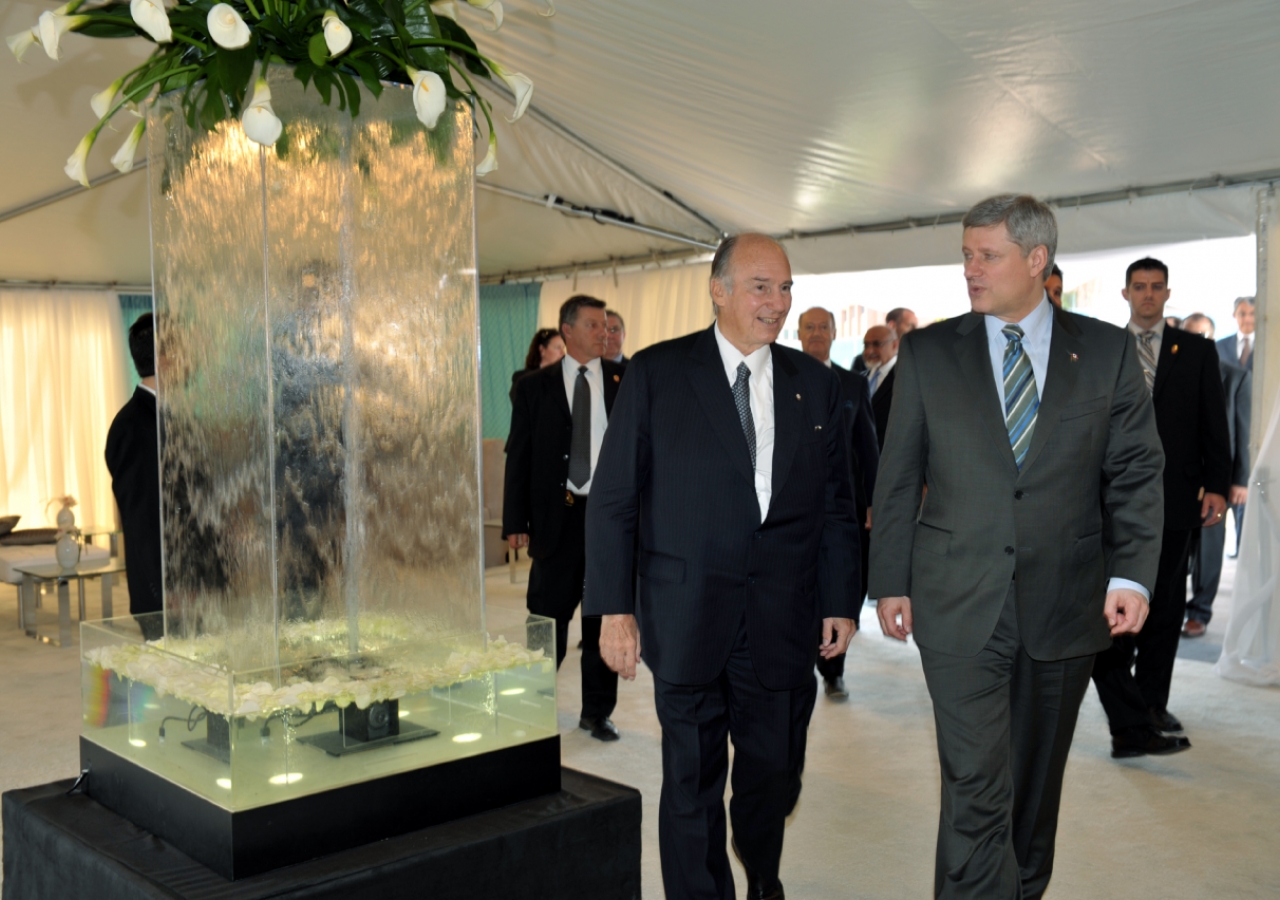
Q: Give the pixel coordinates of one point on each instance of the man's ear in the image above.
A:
(1038, 261)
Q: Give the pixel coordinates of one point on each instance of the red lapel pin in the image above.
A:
(1075, 357)
(617, 377)
(1173, 349)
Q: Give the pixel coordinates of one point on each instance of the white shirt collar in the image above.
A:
(571, 365)
(731, 356)
(1157, 328)
(150, 391)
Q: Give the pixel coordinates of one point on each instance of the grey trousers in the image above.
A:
(1005, 723)
(1206, 572)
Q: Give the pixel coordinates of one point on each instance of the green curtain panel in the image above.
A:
(508, 319)
(132, 307)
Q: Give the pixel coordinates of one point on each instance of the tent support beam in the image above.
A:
(599, 267)
(14, 284)
(559, 204)
(50, 199)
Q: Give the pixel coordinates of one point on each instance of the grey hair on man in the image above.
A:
(1029, 222)
(722, 262)
(1242, 301)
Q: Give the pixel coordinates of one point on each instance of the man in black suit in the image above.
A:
(1237, 349)
(817, 331)
(1182, 375)
(558, 423)
(901, 320)
(133, 460)
(881, 353)
(726, 456)
(616, 336)
(1209, 543)
(1035, 433)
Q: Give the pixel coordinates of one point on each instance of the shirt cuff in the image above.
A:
(1124, 584)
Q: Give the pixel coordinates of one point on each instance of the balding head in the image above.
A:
(880, 344)
(817, 328)
(751, 290)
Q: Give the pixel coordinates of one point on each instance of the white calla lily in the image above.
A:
(102, 101)
(76, 162)
(337, 36)
(53, 24)
(494, 8)
(151, 17)
(260, 122)
(520, 85)
(123, 160)
(490, 161)
(23, 41)
(549, 11)
(226, 27)
(429, 96)
(446, 8)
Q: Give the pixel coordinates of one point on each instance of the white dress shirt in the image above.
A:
(149, 390)
(882, 370)
(1037, 338)
(1157, 330)
(599, 417)
(760, 362)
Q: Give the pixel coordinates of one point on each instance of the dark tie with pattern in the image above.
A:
(580, 446)
(1021, 399)
(742, 400)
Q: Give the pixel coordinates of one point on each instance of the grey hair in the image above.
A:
(1241, 301)
(821, 309)
(1029, 222)
(720, 262)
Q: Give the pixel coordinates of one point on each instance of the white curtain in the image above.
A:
(656, 305)
(1251, 649)
(62, 380)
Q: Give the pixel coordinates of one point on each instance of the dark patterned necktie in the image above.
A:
(742, 400)
(580, 446)
(1021, 399)
(1147, 356)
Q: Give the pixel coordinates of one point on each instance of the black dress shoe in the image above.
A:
(1146, 742)
(601, 729)
(755, 889)
(835, 689)
(1164, 721)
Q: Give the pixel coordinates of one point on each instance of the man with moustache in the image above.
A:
(880, 350)
(1036, 435)
(817, 332)
(726, 457)
(558, 419)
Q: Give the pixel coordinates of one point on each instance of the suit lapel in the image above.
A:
(1167, 360)
(611, 382)
(711, 387)
(555, 386)
(975, 367)
(787, 418)
(1065, 352)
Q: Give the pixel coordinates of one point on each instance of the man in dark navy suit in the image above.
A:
(558, 422)
(133, 460)
(817, 328)
(1237, 350)
(726, 456)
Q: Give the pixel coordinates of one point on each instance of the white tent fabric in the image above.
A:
(769, 116)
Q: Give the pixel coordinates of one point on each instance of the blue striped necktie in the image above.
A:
(1021, 399)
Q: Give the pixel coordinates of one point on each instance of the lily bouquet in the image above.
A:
(216, 53)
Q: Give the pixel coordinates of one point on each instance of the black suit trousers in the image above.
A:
(555, 590)
(1005, 723)
(1129, 690)
(769, 731)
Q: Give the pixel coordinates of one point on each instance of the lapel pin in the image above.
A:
(817, 427)
(797, 396)
(1173, 349)
(617, 377)
(1075, 357)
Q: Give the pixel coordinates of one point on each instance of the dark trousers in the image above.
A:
(1238, 512)
(831, 669)
(1208, 546)
(769, 730)
(1129, 690)
(555, 590)
(1005, 723)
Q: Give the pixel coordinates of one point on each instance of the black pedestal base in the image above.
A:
(583, 841)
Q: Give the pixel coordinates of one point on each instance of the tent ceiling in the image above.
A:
(758, 114)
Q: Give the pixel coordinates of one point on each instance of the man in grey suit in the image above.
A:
(1036, 542)
(1237, 350)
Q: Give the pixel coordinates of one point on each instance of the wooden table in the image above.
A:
(35, 577)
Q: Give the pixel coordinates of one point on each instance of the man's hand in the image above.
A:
(868, 525)
(1126, 610)
(620, 644)
(836, 634)
(1238, 495)
(516, 541)
(889, 609)
(1212, 509)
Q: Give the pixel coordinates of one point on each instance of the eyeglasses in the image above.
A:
(886, 342)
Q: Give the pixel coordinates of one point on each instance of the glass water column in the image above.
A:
(317, 358)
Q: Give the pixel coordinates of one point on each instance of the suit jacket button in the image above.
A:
(1017, 495)
(566, 456)
(758, 535)
(751, 581)
(1008, 550)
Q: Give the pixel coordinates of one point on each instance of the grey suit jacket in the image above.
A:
(1094, 468)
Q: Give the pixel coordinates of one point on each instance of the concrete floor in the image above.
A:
(1202, 824)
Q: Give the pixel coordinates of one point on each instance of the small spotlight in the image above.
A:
(290, 778)
(466, 738)
(224, 783)
(512, 692)
(404, 713)
(137, 742)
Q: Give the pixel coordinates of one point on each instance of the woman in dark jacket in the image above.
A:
(546, 349)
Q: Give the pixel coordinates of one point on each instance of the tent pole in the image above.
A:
(50, 199)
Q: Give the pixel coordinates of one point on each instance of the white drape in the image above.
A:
(62, 380)
(1251, 649)
(656, 305)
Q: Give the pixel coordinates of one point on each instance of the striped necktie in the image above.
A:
(1021, 400)
(1147, 356)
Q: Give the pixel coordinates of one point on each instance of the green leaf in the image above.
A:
(318, 50)
(235, 68)
(367, 74)
(303, 72)
(452, 31)
(324, 84)
(353, 92)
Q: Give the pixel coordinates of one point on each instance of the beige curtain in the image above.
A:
(62, 380)
(656, 305)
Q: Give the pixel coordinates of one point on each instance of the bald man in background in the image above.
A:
(880, 351)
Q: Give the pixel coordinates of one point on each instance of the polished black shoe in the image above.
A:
(756, 890)
(601, 729)
(1164, 721)
(1146, 743)
(835, 689)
